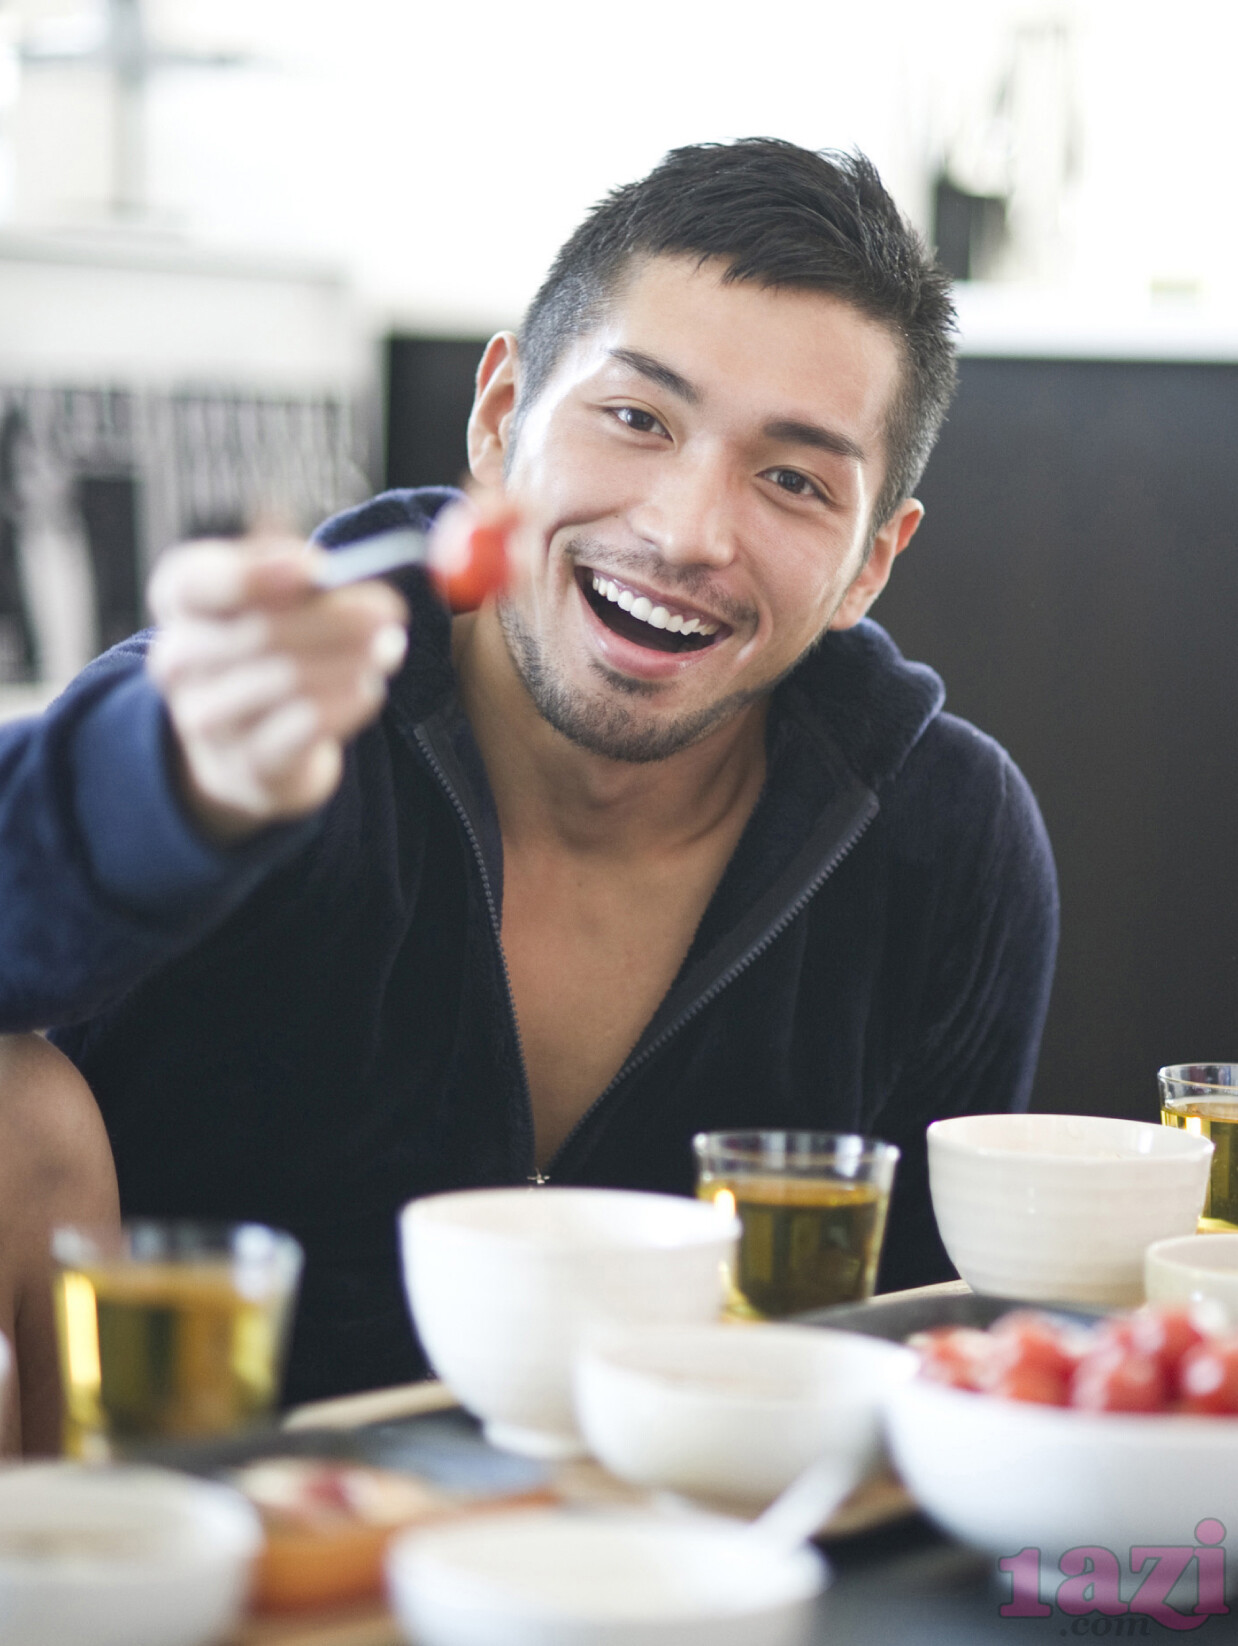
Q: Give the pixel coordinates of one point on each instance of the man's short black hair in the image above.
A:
(778, 215)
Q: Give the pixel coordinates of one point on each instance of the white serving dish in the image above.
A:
(1198, 1268)
(506, 1284)
(554, 1578)
(120, 1556)
(1007, 1475)
(731, 1414)
(1061, 1208)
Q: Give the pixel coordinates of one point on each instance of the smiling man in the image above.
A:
(670, 838)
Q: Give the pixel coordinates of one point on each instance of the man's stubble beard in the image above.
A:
(609, 727)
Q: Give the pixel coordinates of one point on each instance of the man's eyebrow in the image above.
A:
(662, 375)
(812, 434)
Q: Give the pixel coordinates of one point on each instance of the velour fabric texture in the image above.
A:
(316, 1027)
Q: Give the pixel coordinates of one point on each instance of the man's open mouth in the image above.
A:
(663, 628)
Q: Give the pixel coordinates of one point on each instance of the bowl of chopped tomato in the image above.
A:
(1046, 1433)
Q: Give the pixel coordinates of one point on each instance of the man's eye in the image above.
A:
(791, 480)
(642, 422)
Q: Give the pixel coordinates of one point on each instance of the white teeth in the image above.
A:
(658, 617)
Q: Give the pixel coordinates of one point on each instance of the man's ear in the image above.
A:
(494, 405)
(889, 543)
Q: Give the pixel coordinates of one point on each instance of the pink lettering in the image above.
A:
(1169, 1562)
(1211, 1568)
(1092, 1583)
(1024, 1569)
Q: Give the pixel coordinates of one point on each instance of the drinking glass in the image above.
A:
(169, 1330)
(812, 1209)
(1203, 1098)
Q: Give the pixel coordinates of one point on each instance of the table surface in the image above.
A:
(897, 1581)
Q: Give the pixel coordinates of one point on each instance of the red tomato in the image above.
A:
(1027, 1345)
(1037, 1383)
(952, 1354)
(1208, 1376)
(1166, 1333)
(1113, 1379)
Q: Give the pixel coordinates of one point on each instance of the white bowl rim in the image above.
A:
(618, 1348)
(157, 1491)
(711, 1228)
(1183, 1253)
(803, 1571)
(1188, 1145)
(1197, 1431)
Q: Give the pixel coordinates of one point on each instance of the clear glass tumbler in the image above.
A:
(812, 1208)
(169, 1330)
(1203, 1098)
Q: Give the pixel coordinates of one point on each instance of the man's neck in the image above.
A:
(552, 793)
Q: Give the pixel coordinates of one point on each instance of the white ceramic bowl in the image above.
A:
(505, 1285)
(550, 1578)
(1058, 1207)
(120, 1556)
(1007, 1475)
(1195, 1269)
(732, 1414)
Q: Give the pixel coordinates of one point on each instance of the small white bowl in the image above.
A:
(505, 1284)
(120, 1556)
(554, 1578)
(1061, 1208)
(1007, 1475)
(1195, 1269)
(731, 1414)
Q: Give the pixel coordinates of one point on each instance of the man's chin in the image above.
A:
(602, 723)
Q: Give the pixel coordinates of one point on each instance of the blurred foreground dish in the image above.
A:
(327, 1526)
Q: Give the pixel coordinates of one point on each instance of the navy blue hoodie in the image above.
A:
(316, 1027)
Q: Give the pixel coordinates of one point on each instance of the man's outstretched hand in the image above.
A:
(266, 677)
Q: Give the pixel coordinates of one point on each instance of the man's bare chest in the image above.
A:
(590, 956)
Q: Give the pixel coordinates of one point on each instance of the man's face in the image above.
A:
(699, 472)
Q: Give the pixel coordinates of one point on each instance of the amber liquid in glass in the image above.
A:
(160, 1351)
(1218, 1121)
(805, 1244)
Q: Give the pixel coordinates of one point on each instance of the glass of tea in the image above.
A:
(1203, 1098)
(169, 1330)
(812, 1210)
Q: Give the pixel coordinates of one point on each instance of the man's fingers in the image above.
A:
(213, 704)
(219, 578)
(266, 676)
(195, 645)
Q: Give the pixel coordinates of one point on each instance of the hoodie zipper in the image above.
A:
(535, 1177)
(538, 1178)
(724, 981)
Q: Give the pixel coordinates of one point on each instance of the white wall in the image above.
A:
(442, 152)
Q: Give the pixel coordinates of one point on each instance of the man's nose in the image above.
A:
(690, 516)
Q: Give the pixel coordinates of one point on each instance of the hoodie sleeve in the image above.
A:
(985, 997)
(102, 874)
